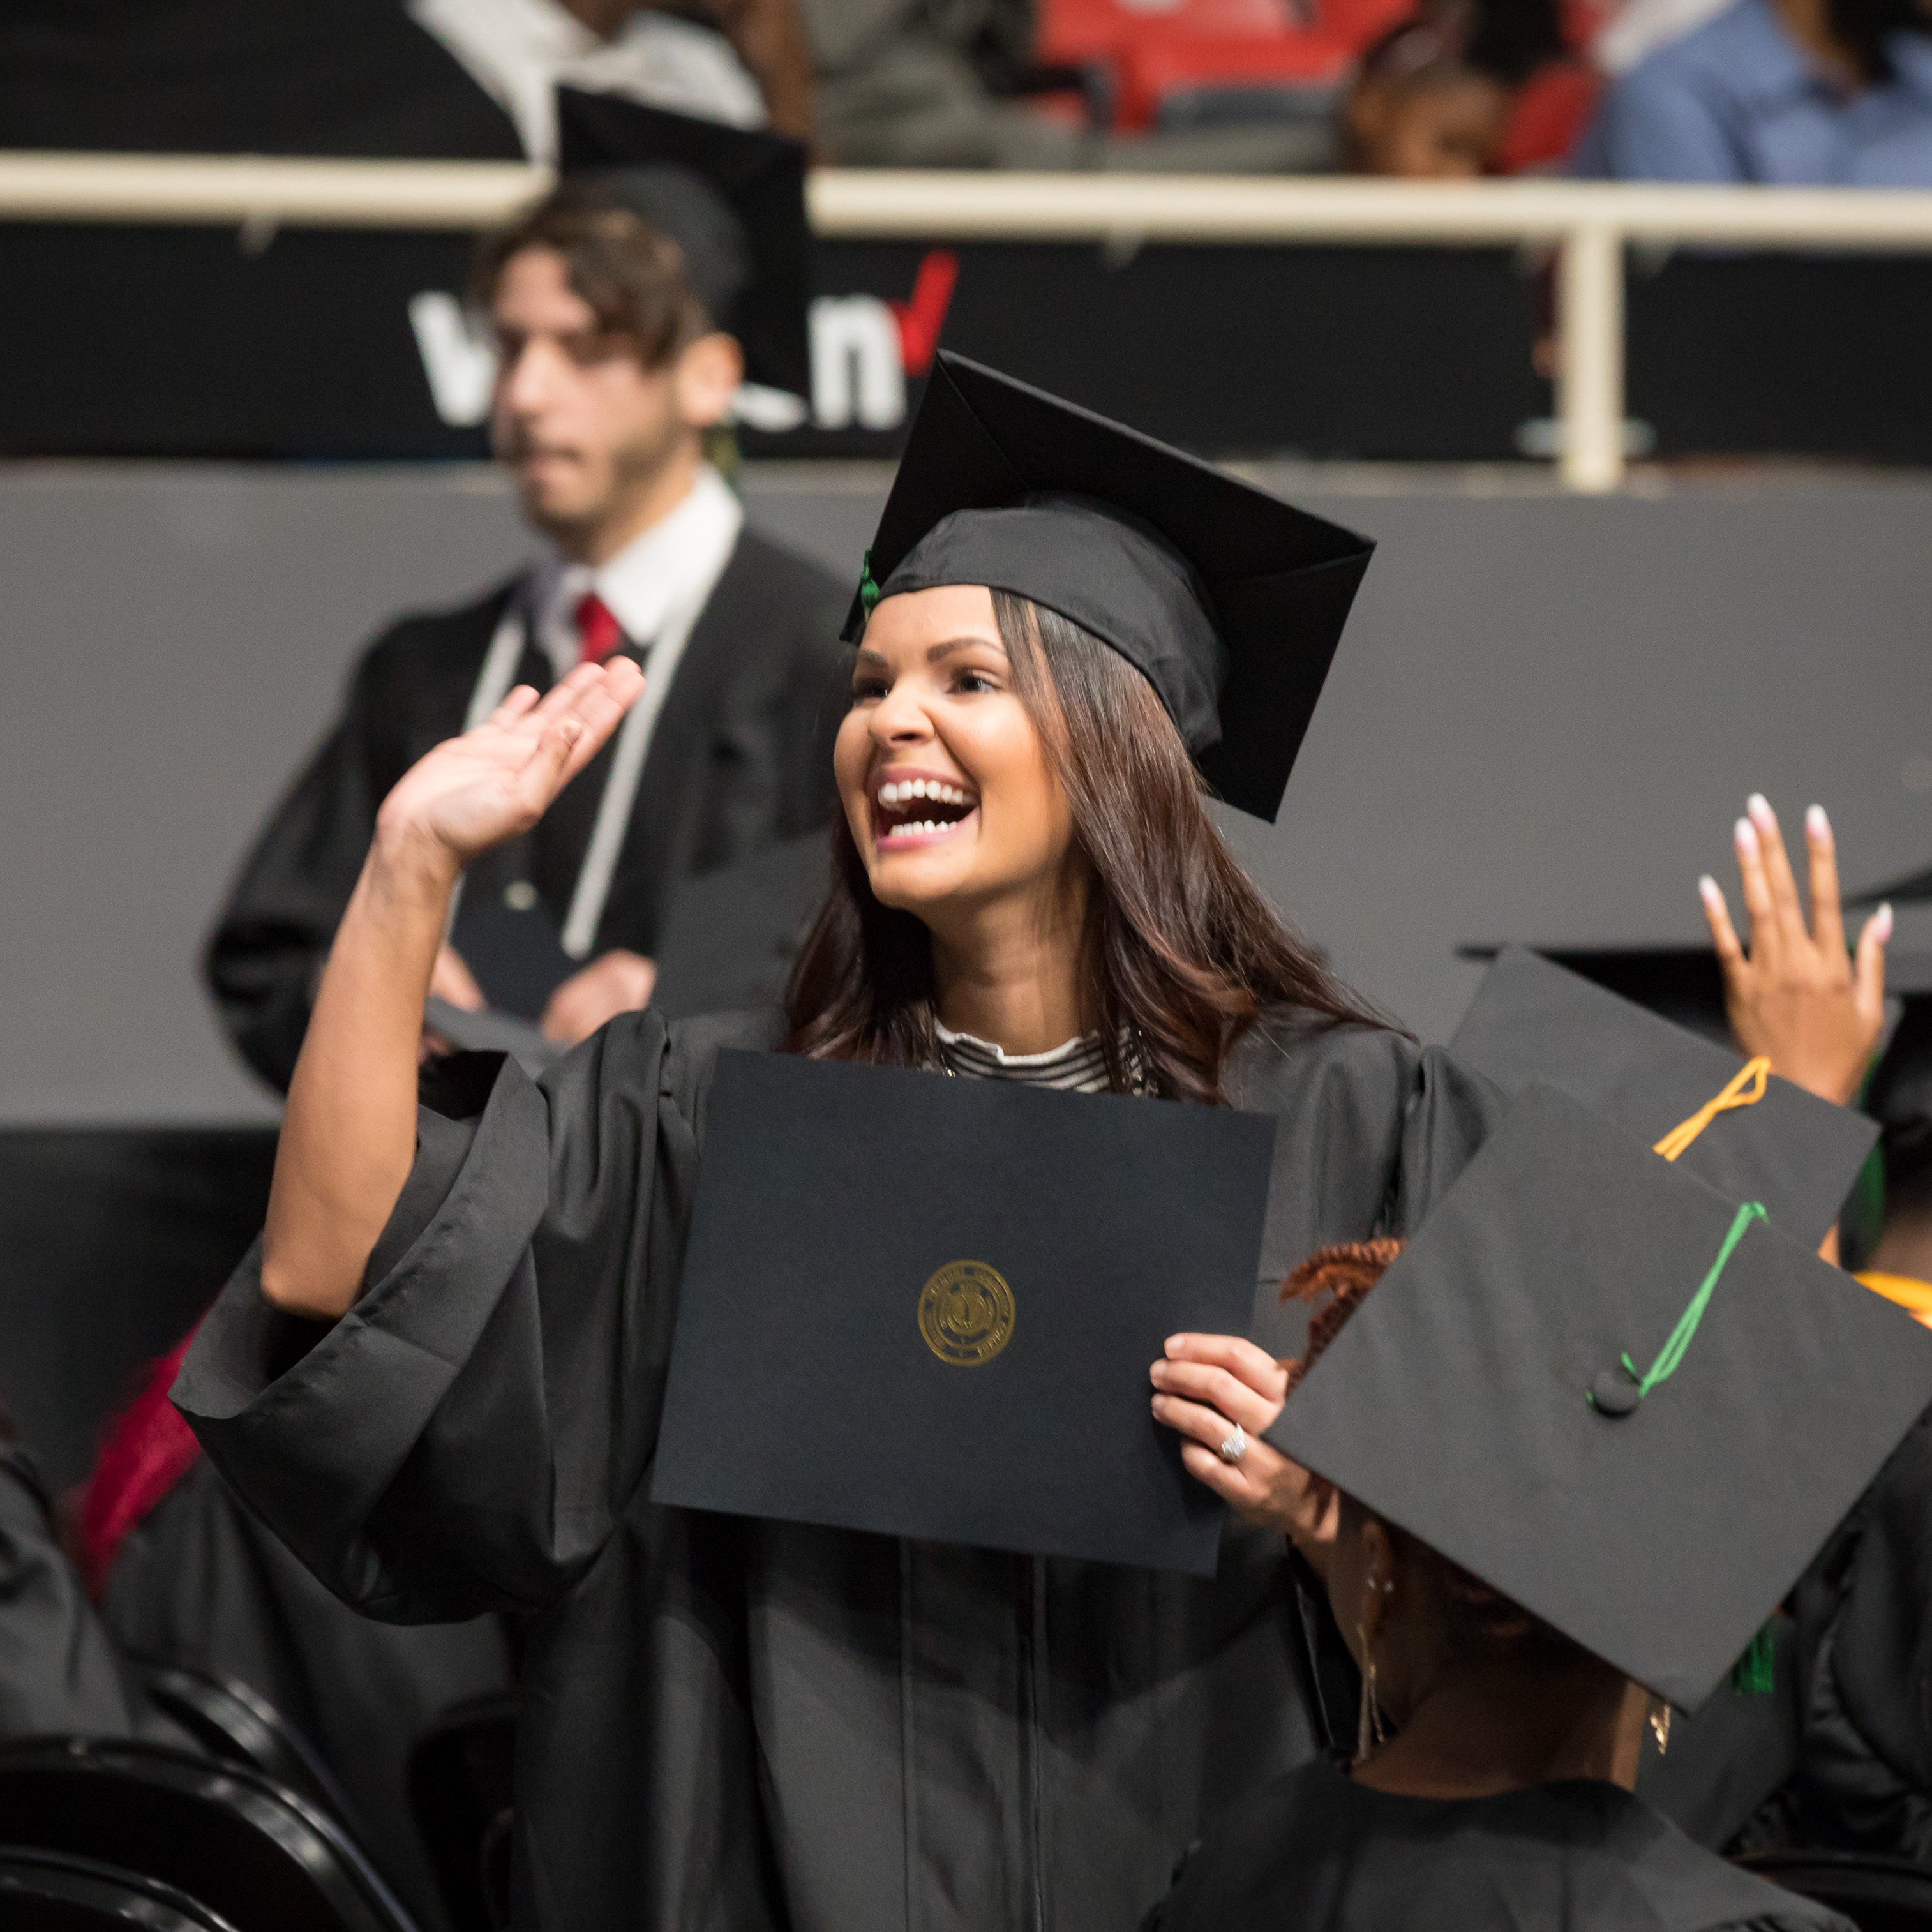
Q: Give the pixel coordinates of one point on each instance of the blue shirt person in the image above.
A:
(1744, 98)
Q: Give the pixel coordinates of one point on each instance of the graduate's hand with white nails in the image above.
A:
(473, 792)
(1203, 1385)
(1794, 995)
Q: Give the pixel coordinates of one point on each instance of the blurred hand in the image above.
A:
(1207, 1384)
(1796, 996)
(450, 980)
(473, 792)
(617, 982)
(453, 983)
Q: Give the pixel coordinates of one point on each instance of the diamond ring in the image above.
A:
(1235, 1448)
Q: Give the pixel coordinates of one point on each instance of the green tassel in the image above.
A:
(868, 588)
(1754, 1675)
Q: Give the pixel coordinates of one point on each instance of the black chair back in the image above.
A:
(1877, 1894)
(459, 1779)
(40, 1891)
(232, 1722)
(258, 1855)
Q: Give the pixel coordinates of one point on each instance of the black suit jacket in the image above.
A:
(741, 758)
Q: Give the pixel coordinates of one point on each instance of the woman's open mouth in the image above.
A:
(916, 811)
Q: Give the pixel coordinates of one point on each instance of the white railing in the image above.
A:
(1588, 223)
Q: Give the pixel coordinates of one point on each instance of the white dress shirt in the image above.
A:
(519, 51)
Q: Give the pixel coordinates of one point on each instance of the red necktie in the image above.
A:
(598, 633)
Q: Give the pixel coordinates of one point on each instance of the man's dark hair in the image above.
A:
(633, 276)
(1862, 27)
(1503, 40)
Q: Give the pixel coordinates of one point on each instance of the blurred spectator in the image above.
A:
(518, 51)
(911, 83)
(1433, 98)
(1835, 93)
(940, 84)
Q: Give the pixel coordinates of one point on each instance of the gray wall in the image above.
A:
(1544, 718)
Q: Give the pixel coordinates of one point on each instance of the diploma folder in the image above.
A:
(926, 1307)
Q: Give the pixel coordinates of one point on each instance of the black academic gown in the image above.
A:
(59, 1671)
(740, 758)
(1314, 1850)
(1865, 1618)
(200, 1582)
(730, 1724)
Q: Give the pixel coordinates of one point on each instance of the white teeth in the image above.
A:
(892, 795)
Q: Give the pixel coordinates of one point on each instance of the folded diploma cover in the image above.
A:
(927, 1307)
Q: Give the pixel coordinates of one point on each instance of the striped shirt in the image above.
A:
(1077, 1066)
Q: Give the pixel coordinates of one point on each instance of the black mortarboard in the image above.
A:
(734, 200)
(730, 936)
(1532, 1021)
(1229, 601)
(1477, 1396)
(926, 1307)
(1915, 889)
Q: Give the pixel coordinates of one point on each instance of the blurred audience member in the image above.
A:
(612, 367)
(59, 1671)
(937, 84)
(519, 51)
(1433, 98)
(1831, 93)
(186, 1577)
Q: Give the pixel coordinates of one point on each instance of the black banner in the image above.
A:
(351, 345)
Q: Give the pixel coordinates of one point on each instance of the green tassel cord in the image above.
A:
(868, 588)
(1754, 1674)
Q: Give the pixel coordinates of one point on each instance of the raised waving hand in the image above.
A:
(1796, 995)
(348, 1136)
(473, 792)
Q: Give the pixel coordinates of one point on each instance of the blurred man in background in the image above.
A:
(1783, 93)
(742, 61)
(612, 369)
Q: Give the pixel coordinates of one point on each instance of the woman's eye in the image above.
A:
(868, 690)
(973, 680)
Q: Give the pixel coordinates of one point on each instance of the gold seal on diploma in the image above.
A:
(966, 1313)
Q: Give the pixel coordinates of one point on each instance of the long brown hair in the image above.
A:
(1181, 954)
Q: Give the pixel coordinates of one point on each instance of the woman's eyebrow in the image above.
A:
(937, 653)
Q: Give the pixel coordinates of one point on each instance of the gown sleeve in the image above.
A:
(464, 1438)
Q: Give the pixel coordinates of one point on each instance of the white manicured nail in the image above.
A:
(1882, 923)
(1759, 806)
(1745, 833)
(1707, 891)
(1816, 823)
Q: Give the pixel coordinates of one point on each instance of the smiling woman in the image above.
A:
(441, 1379)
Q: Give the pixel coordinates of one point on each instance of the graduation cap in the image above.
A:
(1228, 602)
(1751, 1135)
(1625, 1403)
(734, 200)
(1915, 889)
(927, 1307)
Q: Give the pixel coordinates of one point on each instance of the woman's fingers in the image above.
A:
(1236, 1354)
(599, 707)
(523, 699)
(1868, 971)
(1827, 924)
(1219, 1390)
(1756, 886)
(1724, 935)
(1779, 879)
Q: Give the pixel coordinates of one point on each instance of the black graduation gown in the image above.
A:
(737, 1724)
(59, 1672)
(200, 1582)
(1313, 1848)
(1864, 1617)
(740, 758)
